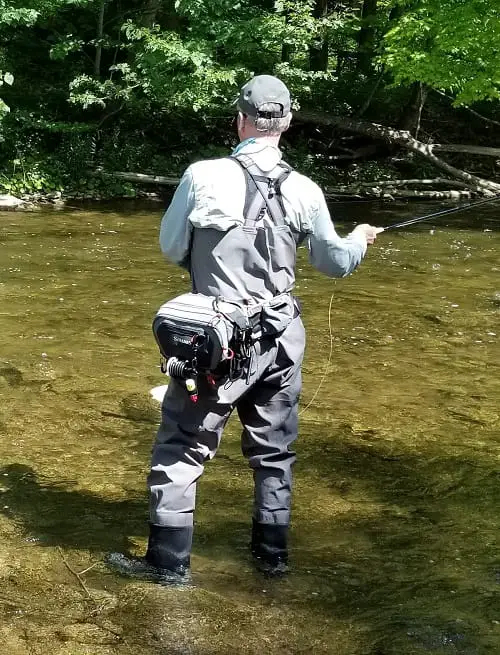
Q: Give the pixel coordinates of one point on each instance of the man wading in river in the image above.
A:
(235, 224)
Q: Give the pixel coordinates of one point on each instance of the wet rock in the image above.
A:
(10, 202)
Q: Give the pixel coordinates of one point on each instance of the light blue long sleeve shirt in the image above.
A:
(211, 194)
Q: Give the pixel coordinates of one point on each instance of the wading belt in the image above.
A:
(263, 192)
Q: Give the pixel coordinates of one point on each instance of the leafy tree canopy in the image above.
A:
(128, 81)
(452, 45)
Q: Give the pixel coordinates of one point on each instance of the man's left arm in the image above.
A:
(176, 229)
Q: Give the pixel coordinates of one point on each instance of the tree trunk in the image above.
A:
(410, 118)
(149, 12)
(436, 181)
(393, 194)
(318, 56)
(141, 178)
(364, 107)
(402, 138)
(100, 34)
(366, 36)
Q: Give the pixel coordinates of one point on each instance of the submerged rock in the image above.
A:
(433, 318)
(12, 375)
(454, 637)
(137, 407)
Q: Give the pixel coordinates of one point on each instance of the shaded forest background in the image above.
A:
(385, 91)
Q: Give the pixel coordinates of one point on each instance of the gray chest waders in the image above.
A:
(199, 334)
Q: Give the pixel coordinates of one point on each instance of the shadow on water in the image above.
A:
(52, 514)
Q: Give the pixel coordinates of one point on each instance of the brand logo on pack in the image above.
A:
(185, 340)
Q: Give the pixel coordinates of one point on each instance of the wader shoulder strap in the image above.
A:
(263, 192)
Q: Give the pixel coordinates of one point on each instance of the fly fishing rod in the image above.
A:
(452, 210)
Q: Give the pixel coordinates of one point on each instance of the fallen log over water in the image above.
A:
(387, 189)
(394, 194)
(435, 181)
(471, 150)
(140, 178)
(402, 138)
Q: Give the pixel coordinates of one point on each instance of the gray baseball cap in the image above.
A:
(264, 90)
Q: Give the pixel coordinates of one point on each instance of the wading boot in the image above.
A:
(269, 548)
(167, 559)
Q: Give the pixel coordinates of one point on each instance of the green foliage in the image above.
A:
(14, 15)
(5, 78)
(450, 45)
(183, 74)
(145, 87)
(87, 91)
(27, 177)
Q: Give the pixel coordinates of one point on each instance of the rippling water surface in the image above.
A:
(395, 541)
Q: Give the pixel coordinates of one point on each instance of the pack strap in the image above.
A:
(263, 192)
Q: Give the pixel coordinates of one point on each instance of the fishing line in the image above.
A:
(452, 210)
(325, 372)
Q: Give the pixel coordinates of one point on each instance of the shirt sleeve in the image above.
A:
(328, 252)
(176, 229)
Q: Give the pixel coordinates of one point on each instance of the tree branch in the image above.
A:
(472, 111)
(399, 137)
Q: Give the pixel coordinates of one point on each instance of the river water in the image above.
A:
(395, 540)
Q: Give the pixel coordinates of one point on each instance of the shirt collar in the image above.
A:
(266, 156)
(253, 145)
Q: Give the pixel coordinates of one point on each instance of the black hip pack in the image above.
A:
(194, 328)
(199, 334)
